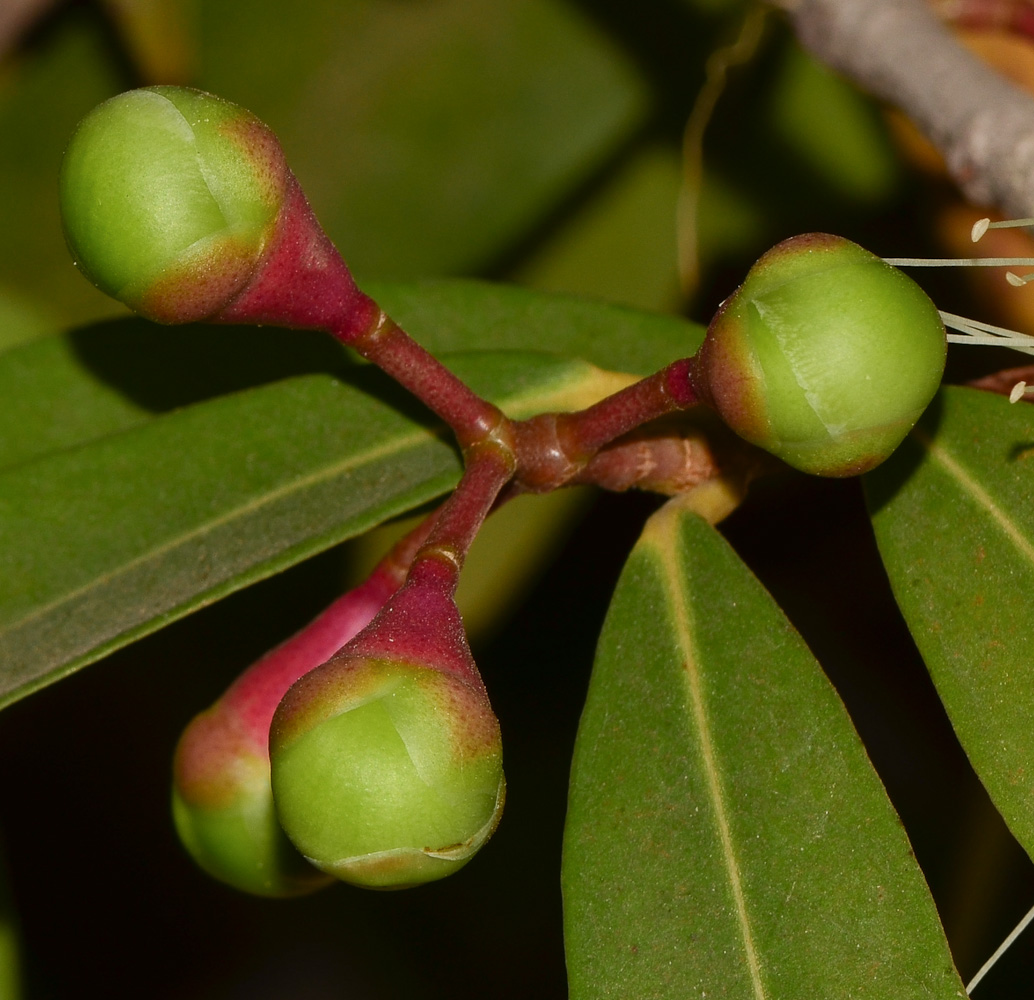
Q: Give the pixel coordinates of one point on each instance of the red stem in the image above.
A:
(383, 342)
(305, 284)
(553, 448)
(489, 468)
(585, 432)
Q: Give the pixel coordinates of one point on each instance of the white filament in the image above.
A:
(978, 334)
(960, 261)
(1002, 948)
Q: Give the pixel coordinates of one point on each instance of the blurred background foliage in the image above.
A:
(641, 153)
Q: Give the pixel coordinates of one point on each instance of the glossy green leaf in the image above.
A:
(63, 391)
(954, 522)
(103, 543)
(726, 834)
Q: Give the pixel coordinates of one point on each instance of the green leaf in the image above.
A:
(63, 391)
(726, 834)
(458, 315)
(103, 543)
(955, 526)
(621, 246)
(65, 72)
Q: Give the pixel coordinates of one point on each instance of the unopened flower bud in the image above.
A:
(169, 198)
(825, 356)
(222, 801)
(223, 809)
(387, 767)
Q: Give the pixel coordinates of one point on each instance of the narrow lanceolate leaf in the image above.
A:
(726, 834)
(105, 542)
(954, 520)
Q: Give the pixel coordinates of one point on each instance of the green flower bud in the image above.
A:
(386, 774)
(223, 809)
(222, 800)
(825, 356)
(169, 198)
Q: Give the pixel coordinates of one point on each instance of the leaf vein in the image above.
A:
(682, 617)
(954, 468)
(324, 474)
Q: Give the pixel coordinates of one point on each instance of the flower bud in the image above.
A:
(825, 356)
(223, 809)
(169, 198)
(222, 801)
(387, 760)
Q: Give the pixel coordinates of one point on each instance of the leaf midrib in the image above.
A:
(662, 531)
(954, 467)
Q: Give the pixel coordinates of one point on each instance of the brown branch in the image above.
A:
(16, 17)
(901, 53)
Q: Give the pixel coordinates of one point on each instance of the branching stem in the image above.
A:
(900, 52)
(383, 342)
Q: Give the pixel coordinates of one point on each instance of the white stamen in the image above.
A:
(1018, 281)
(1017, 392)
(981, 226)
(960, 261)
(1002, 948)
(978, 334)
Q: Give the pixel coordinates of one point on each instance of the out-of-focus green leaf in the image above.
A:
(726, 834)
(43, 94)
(106, 542)
(832, 127)
(456, 315)
(954, 522)
(429, 136)
(23, 319)
(158, 37)
(62, 391)
(620, 247)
